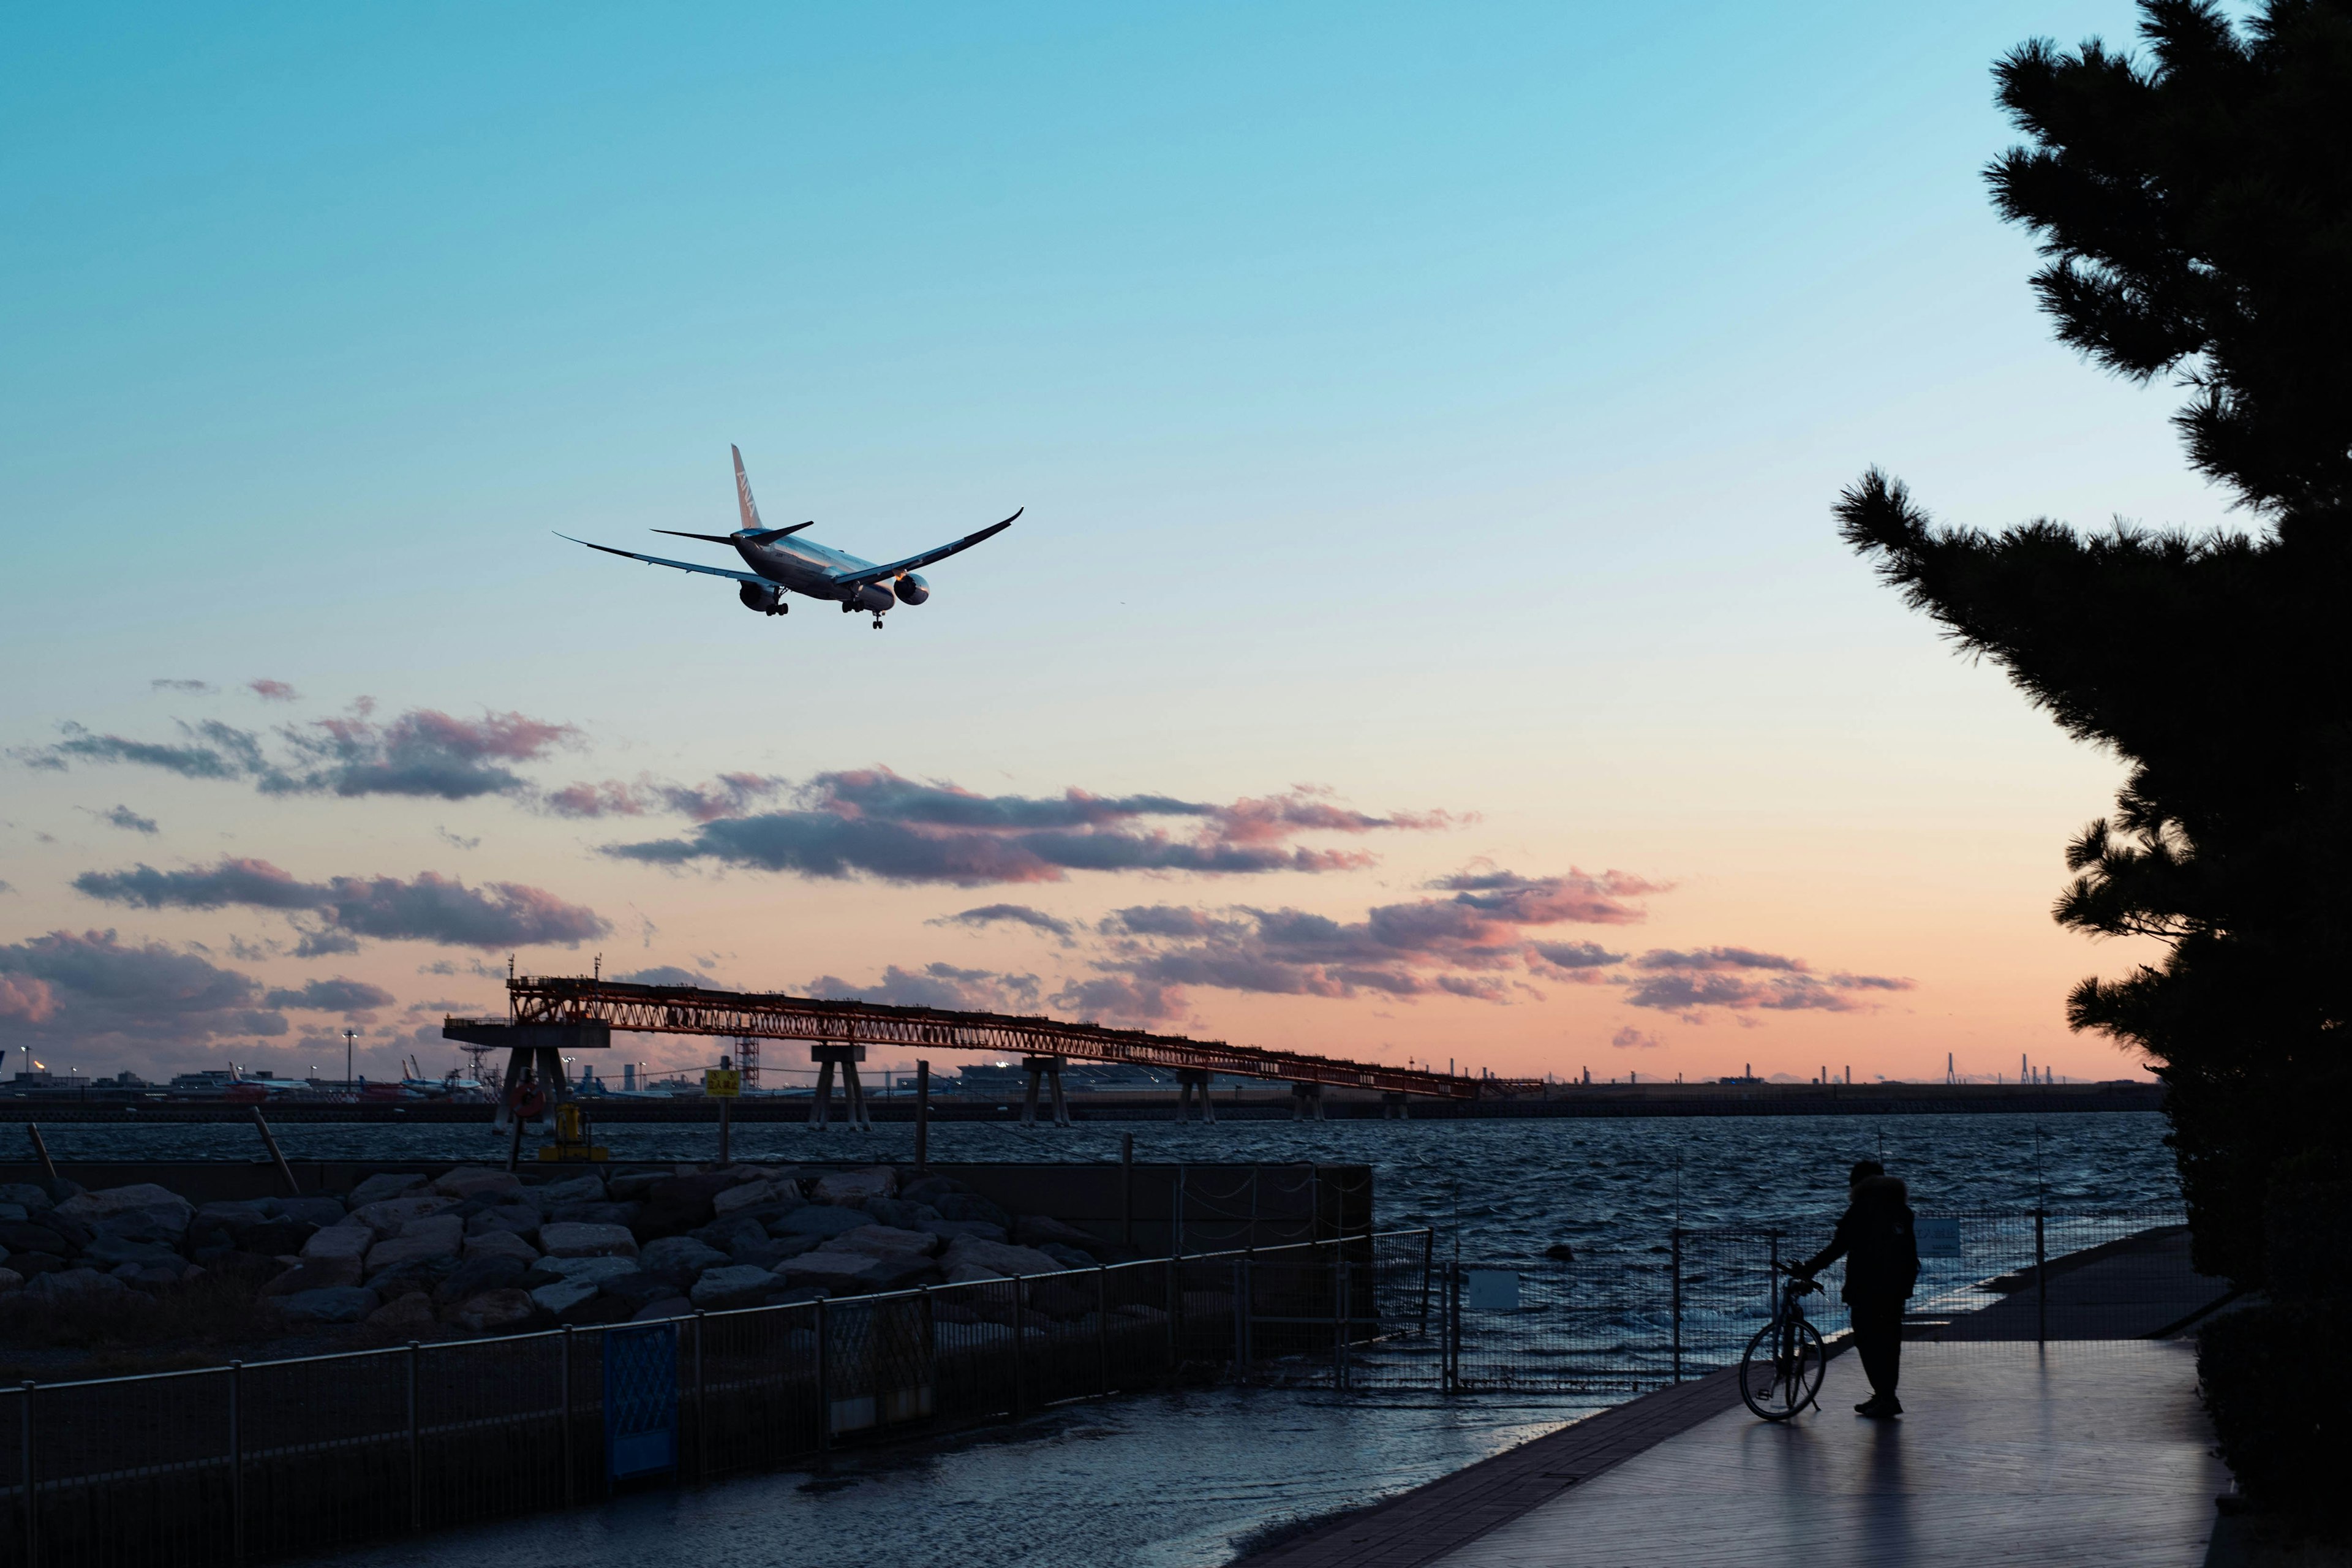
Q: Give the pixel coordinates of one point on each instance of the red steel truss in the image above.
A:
(690, 1010)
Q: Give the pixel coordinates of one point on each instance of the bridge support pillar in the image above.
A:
(853, 1093)
(1307, 1102)
(1396, 1106)
(1189, 1081)
(1050, 1069)
(541, 1063)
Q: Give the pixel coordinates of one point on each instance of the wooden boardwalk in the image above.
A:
(2138, 1287)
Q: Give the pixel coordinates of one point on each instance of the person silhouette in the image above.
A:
(1874, 1236)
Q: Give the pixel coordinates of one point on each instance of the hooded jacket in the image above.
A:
(1874, 1237)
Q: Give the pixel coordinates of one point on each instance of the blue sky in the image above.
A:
(1441, 406)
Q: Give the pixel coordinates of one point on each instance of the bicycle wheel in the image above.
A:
(1780, 1372)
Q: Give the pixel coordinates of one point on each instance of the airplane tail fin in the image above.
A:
(743, 501)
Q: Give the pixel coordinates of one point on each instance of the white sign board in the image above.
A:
(1494, 1290)
(1937, 1237)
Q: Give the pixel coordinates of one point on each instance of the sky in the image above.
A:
(1426, 638)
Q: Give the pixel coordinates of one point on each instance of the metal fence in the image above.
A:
(273, 1459)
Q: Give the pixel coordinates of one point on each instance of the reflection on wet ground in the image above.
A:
(1165, 1480)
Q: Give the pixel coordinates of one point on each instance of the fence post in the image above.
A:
(236, 1462)
(1020, 1347)
(563, 1371)
(415, 1445)
(2041, 1279)
(1678, 1302)
(702, 1403)
(1102, 1327)
(823, 1375)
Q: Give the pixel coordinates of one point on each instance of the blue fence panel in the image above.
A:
(640, 1400)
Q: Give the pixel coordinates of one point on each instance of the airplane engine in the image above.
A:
(911, 591)
(756, 597)
(874, 598)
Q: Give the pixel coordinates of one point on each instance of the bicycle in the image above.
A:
(1781, 1371)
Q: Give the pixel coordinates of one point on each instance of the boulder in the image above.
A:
(563, 1295)
(424, 1274)
(164, 1226)
(971, 1205)
(727, 1234)
(681, 1203)
(760, 1197)
(478, 1182)
(574, 1190)
(10, 1281)
(767, 1252)
(13, 1211)
(437, 1236)
(678, 1258)
(25, 1196)
(351, 1241)
(271, 1238)
(496, 1312)
(820, 1220)
(30, 1264)
(1068, 1257)
(110, 1251)
(343, 1304)
(635, 1290)
(500, 1244)
(929, 1189)
(737, 1285)
(635, 1186)
(668, 1306)
(969, 1257)
(596, 1213)
(74, 1286)
(386, 1184)
(848, 1187)
(567, 1239)
(24, 1235)
(593, 1271)
(886, 1241)
(842, 1273)
(899, 1212)
(477, 1275)
(317, 1209)
(406, 1315)
(315, 1274)
(75, 1233)
(515, 1219)
(1038, 1229)
(232, 1215)
(949, 1229)
(389, 1218)
(145, 1198)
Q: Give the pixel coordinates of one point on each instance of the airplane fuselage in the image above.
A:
(803, 566)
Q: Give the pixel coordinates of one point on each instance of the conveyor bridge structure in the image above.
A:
(561, 1014)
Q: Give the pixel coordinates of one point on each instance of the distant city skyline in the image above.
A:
(1427, 636)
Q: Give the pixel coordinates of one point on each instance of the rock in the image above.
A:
(767, 1252)
(478, 1182)
(970, 1205)
(729, 1233)
(30, 1264)
(668, 1306)
(317, 1209)
(516, 1219)
(73, 1287)
(25, 1196)
(1068, 1257)
(594, 1214)
(315, 1274)
(13, 1211)
(271, 1236)
(678, 1258)
(438, 1235)
(75, 1233)
(386, 1184)
(409, 1315)
(969, 1257)
(593, 1271)
(758, 1196)
(819, 1220)
(230, 1214)
(388, 1218)
(566, 1239)
(351, 1241)
(848, 1186)
(737, 1285)
(886, 1241)
(842, 1273)
(1038, 1229)
(343, 1304)
(634, 1186)
(10, 1281)
(563, 1295)
(636, 1290)
(500, 1244)
(496, 1311)
(681, 1203)
(109, 1251)
(949, 1229)
(24, 1235)
(424, 1274)
(921, 1189)
(899, 1212)
(477, 1275)
(555, 1195)
(142, 1198)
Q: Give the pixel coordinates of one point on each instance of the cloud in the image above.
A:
(663, 974)
(1119, 999)
(122, 817)
(1543, 900)
(473, 966)
(1742, 980)
(1012, 915)
(1576, 956)
(423, 752)
(875, 823)
(187, 687)
(729, 795)
(91, 991)
(1629, 1038)
(939, 986)
(336, 996)
(429, 909)
(272, 690)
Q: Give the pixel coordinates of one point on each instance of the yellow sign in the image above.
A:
(723, 1083)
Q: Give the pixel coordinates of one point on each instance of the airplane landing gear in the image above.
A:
(878, 623)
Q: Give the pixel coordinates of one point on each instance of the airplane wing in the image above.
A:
(876, 573)
(681, 566)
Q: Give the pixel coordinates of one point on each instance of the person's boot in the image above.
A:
(1879, 1405)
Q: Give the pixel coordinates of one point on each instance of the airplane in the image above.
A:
(805, 566)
